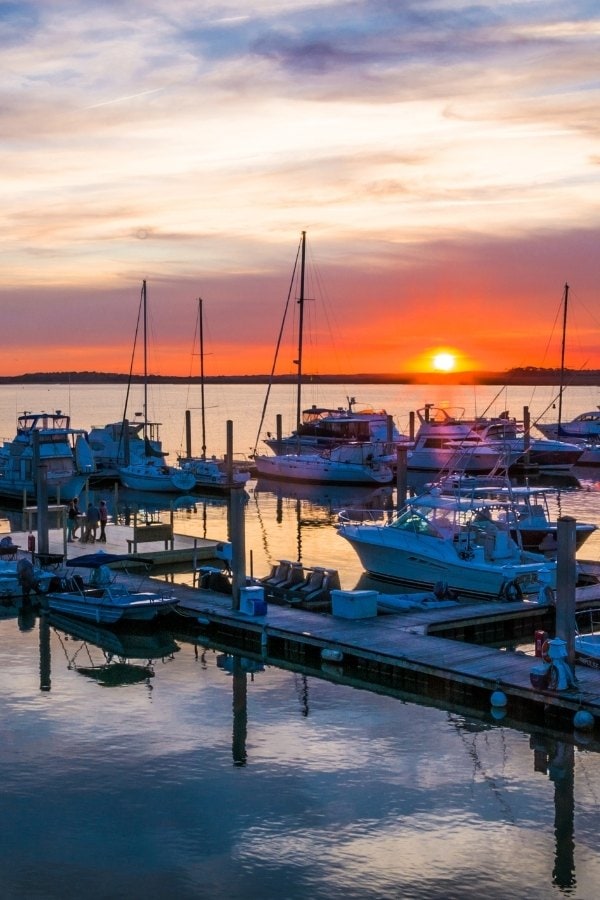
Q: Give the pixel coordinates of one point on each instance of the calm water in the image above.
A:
(182, 779)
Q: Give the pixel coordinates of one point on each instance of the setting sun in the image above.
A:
(444, 362)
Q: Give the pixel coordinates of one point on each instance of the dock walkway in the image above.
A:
(402, 649)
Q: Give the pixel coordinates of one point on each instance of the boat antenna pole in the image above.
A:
(145, 359)
(562, 358)
(300, 333)
(201, 334)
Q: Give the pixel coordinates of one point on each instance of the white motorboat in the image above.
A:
(444, 443)
(460, 542)
(100, 597)
(322, 428)
(507, 434)
(587, 637)
(45, 441)
(583, 428)
(346, 464)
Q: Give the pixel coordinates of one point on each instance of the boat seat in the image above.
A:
(280, 572)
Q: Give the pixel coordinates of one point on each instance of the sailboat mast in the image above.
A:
(300, 332)
(202, 407)
(562, 357)
(145, 358)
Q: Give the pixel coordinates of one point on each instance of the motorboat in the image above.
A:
(462, 543)
(587, 637)
(444, 444)
(346, 464)
(45, 445)
(503, 434)
(11, 580)
(547, 455)
(99, 596)
(528, 513)
(153, 474)
(322, 428)
(584, 428)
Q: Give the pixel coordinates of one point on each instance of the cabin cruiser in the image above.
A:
(323, 427)
(584, 427)
(445, 443)
(503, 434)
(45, 445)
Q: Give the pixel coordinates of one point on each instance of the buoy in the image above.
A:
(498, 713)
(202, 620)
(583, 720)
(329, 655)
(498, 699)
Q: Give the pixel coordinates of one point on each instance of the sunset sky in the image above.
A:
(442, 156)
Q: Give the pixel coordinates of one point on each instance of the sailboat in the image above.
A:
(353, 462)
(584, 429)
(150, 471)
(210, 473)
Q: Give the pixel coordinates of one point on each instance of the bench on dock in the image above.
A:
(150, 533)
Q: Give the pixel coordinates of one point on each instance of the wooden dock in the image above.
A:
(443, 654)
(182, 549)
(404, 651)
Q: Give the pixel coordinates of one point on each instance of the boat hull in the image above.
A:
(319, 470)
(423, 563)
(139, 607)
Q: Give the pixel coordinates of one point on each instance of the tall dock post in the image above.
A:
(566, 578)
(238, 540)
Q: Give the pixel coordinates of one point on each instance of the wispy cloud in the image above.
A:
(218, 133)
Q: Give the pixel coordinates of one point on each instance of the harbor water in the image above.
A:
(150, 765)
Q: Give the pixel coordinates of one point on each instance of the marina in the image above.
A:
(298, 730)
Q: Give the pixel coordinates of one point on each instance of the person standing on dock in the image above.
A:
(103, 511)
(72, 520)
(91, 524)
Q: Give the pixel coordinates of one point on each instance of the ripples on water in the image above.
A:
(137, 789)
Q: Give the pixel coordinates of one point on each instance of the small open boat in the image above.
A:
(100, 597)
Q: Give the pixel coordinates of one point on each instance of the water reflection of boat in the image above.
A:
(329, 496)
(117, 649)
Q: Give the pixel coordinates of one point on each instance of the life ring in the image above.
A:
(546, 651)
(512, 591)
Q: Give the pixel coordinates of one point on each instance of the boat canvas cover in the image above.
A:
(95, 560)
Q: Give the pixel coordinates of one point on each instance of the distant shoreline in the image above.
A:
(525, 376)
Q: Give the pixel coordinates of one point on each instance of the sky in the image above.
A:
(441, 156)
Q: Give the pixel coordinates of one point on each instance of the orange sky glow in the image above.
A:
(442, 160)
